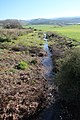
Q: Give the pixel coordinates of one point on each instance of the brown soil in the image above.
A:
(22, 92)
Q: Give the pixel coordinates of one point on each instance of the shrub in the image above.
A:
(22, 65)
(68, 78)
(5, 39)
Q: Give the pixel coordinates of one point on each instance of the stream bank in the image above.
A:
(60, 46)
(59, 109)
(23, 92)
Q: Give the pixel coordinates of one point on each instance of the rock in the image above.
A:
(34, 105)
(42, 54)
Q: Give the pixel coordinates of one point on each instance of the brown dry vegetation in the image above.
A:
(22, 92)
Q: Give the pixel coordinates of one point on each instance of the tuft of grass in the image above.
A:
(22, 65)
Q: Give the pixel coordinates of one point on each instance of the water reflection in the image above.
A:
(47, 62)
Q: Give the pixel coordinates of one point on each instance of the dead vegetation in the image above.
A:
(22, 92)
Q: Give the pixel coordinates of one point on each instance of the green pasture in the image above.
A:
(71, 31)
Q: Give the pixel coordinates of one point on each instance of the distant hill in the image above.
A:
(23, 22)
(56, 21)
(39, 21)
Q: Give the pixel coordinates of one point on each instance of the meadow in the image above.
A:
(71, 31)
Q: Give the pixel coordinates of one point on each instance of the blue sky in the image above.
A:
(31, 9)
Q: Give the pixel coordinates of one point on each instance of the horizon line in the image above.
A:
(40, 18)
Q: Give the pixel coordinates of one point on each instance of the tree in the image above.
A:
(11, 24)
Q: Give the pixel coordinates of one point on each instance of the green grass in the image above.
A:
(30, 39)
(71, 31)
(24, 37)
(41, 27)
(22, 65)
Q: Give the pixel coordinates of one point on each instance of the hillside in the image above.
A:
(56, 21)
(52, 21)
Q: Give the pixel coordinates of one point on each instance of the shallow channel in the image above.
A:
(48, 63)
(52, 112)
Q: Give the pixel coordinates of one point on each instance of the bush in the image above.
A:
(5, 39)
(9, 24)
(68, 78)
(22, 65)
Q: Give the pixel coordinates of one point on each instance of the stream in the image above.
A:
(51, 112)
(48, 63)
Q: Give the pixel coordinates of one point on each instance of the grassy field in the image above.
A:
(30, 39)
(25, 37)
(71, 31)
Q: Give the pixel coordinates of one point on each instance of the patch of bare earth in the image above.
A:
(22, 92)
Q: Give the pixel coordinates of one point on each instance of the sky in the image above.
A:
(32, 9)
